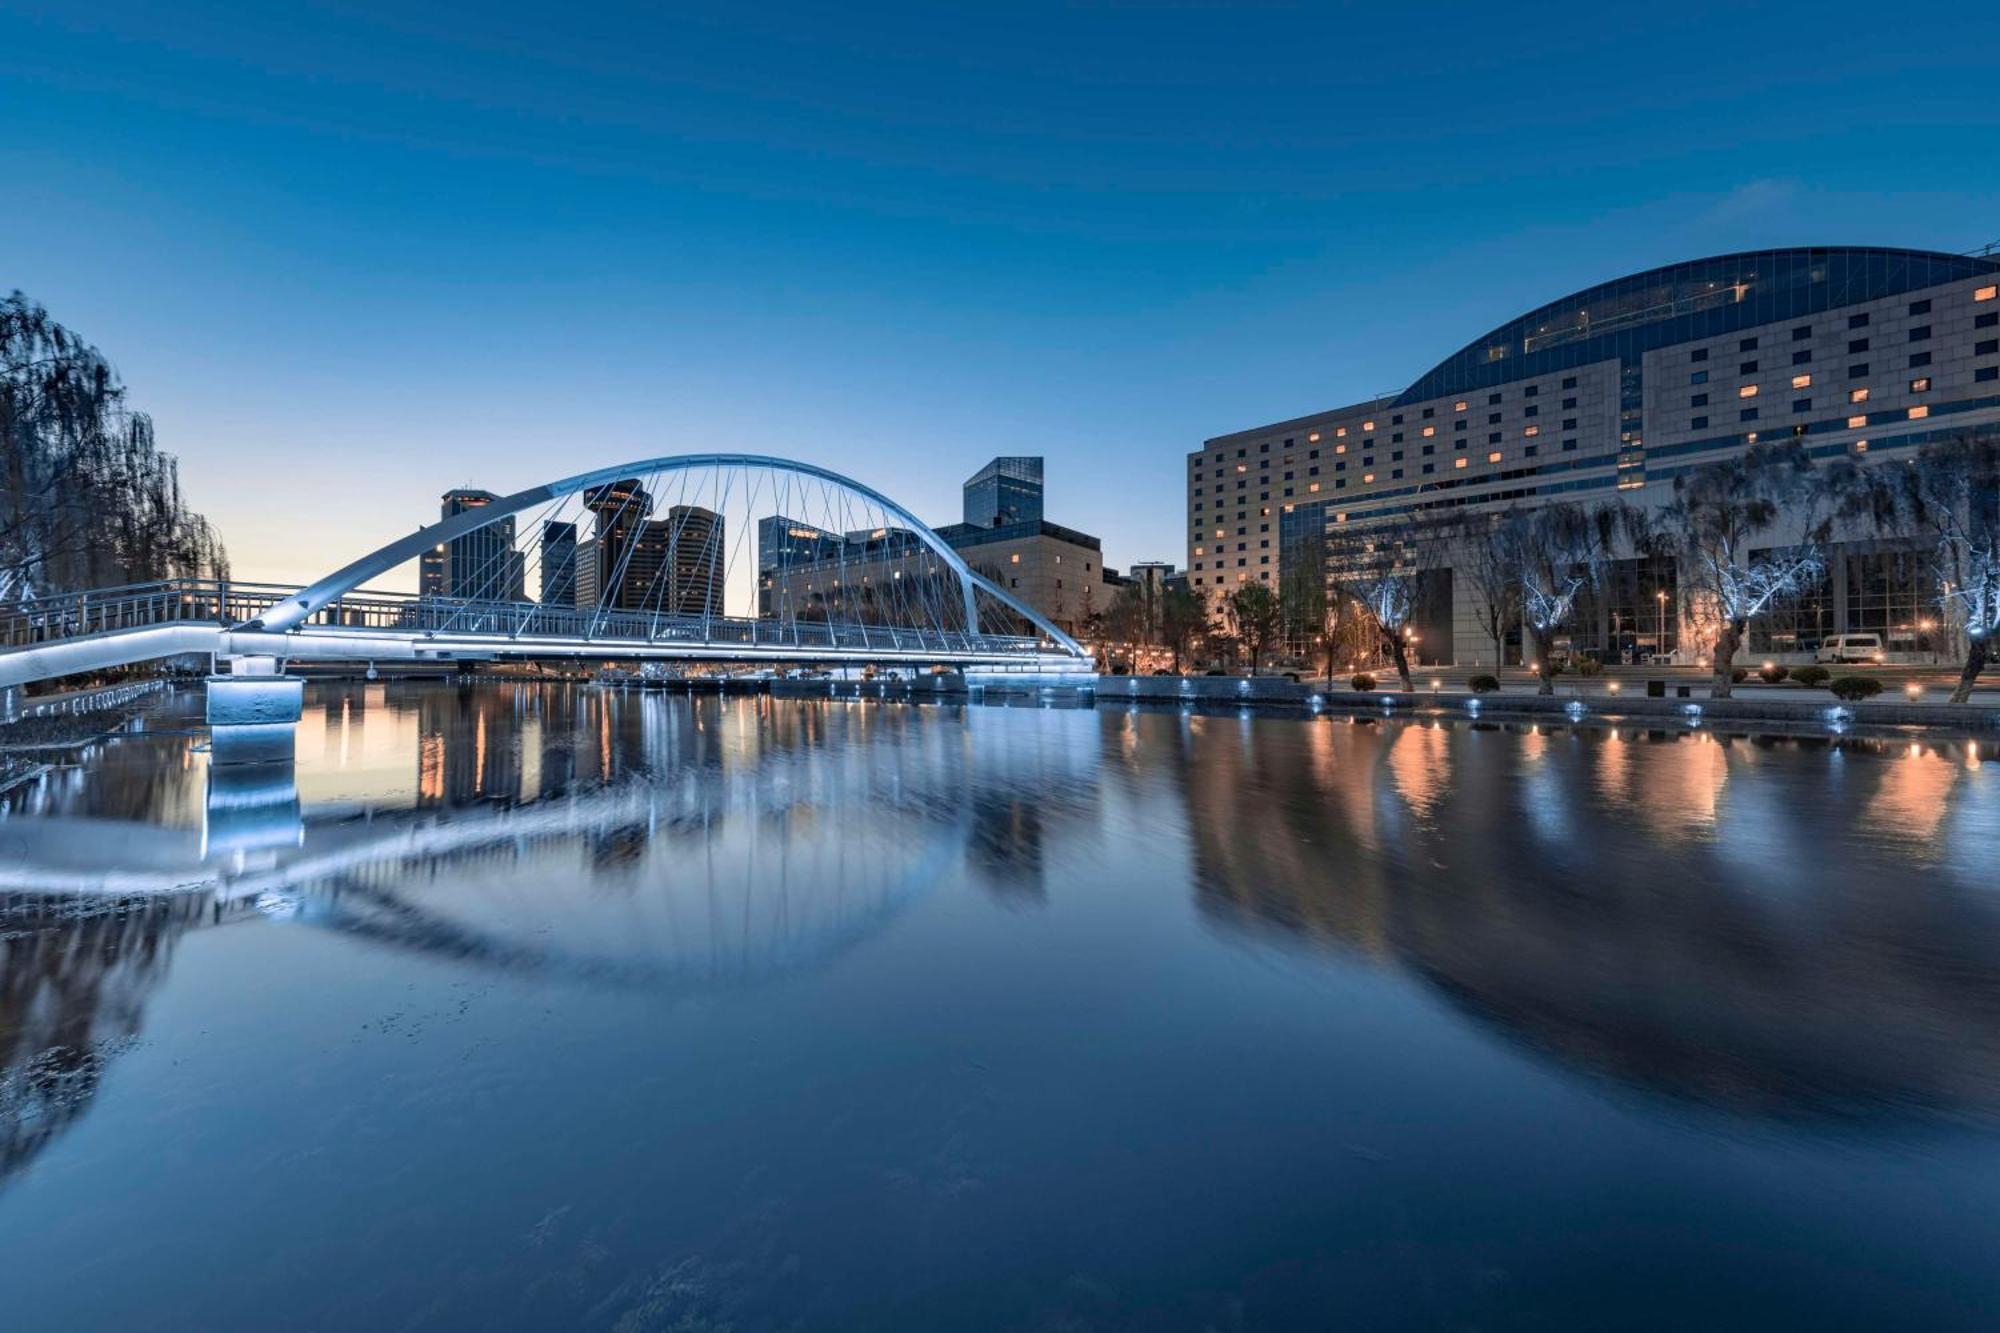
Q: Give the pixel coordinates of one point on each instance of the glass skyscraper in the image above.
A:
(1007, 490)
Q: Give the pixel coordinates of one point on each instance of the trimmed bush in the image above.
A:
(1363, 681)
(1854, 688)
(1773, 672)
(1739, 674)
(1812, 677)
(1483, 684)
(1589, 666)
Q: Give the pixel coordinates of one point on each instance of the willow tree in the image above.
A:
(1771, 493)
(1383, 567)
(86, 497)
(1555, 554)
(1950, 494)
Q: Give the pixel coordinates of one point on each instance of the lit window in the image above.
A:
(1313, 438)
(1458, 406)
(1918, 413)
(1340, 434)
(1340, 518)
(1532, 430)
(1861, 446)
(1367, 477)
(1458, 462)
(1857, 395)
(1747, 391)
(1856, 423)
(1015, 558)
(1802, 381)
(1921, 385)
(1986, 293)
(1313, 488)
(1340, 448)
(1430, 430)
(1218, 532)
(1199, 551)
(1493, 457)
(1368, 425)
(1242, 467)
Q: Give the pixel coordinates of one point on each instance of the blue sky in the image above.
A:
(349, 255)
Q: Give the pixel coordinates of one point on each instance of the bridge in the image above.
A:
(695, 558)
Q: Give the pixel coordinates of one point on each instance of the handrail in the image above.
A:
(226, 602)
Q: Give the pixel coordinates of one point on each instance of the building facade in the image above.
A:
(1005, 492)
(1614, 391)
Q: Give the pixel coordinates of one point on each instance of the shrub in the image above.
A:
(1483, 684)
(1852, 688)
(1739, 674)
(1363, 681)
(1773, 672)
(1589, 666)
(1812, 677)
(1215, 671)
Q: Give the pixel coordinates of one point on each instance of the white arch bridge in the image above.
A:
(720, 558)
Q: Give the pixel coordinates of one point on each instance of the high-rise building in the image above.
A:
(558, 563)
(1006, 491)
(1862, 353)
(620, 509)
(674, 565)
(481, 565)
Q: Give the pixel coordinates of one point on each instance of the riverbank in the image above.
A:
(47, 728)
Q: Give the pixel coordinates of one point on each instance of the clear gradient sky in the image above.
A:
(351, 254)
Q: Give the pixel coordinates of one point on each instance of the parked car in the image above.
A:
(1850, 648)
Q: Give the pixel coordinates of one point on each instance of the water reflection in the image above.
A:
(1762, 927)
(1766, 927)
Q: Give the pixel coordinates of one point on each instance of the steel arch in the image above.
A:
(296, 609)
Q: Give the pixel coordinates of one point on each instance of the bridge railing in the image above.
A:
(228, 602)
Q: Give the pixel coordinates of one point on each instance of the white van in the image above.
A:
(1850, 648)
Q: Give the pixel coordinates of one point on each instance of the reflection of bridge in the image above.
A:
(756, 560)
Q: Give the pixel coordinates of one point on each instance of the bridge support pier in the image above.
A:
(253, 712)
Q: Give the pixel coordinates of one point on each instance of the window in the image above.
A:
(1801, 404)
(1801, 333)
(1987, 320)
(1918, 360)
(1533, 411)
(1986, 293)
(1569, 446)
(1858, 371)
(1493, 437)
(1699, 377)
(1430, 431)
(1855, 346)
(1458, 406)
(1802, 358)
(1429, 468)
(1919, 412)
(1340, 432)
(1802, 381)
(1859, 321)
(1532, 430)
(1857, 395)
(1313, 438)
(1856, 423)
(1985, 373)
(1986, 348)
(1699, 423)
(1458, 462)
(1920, 333)
(1570, 383)
(1531, 391)
(1747, 391)
(1367, 425)
(1747, 368)
(1922, 384)
(1492, 418)
(1747, 345)
(1747, 414)
(1395, 474)
(1920, 307)
(1699, 354)
(1430, 412)
(1493, 457)
(1569, 423)
(1396, 420)
(1698, 400)
(1568, 404)
(1492, 398)
(1367, 477)
(1014, 559)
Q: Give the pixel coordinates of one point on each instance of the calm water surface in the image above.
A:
(551, 1007)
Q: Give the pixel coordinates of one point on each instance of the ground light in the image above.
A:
(1913, 689)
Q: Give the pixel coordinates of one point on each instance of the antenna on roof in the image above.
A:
(1991, 247)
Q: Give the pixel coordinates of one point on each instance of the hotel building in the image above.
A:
(1613, 392)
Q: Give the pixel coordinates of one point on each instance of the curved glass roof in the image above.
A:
(1682, 302)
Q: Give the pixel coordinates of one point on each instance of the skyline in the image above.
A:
(378, 256)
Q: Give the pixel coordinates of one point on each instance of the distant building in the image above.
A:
(1057, 571)
(432, 578)
(620, 510)
(558, 563)
(482, 565)
(1006, 491)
